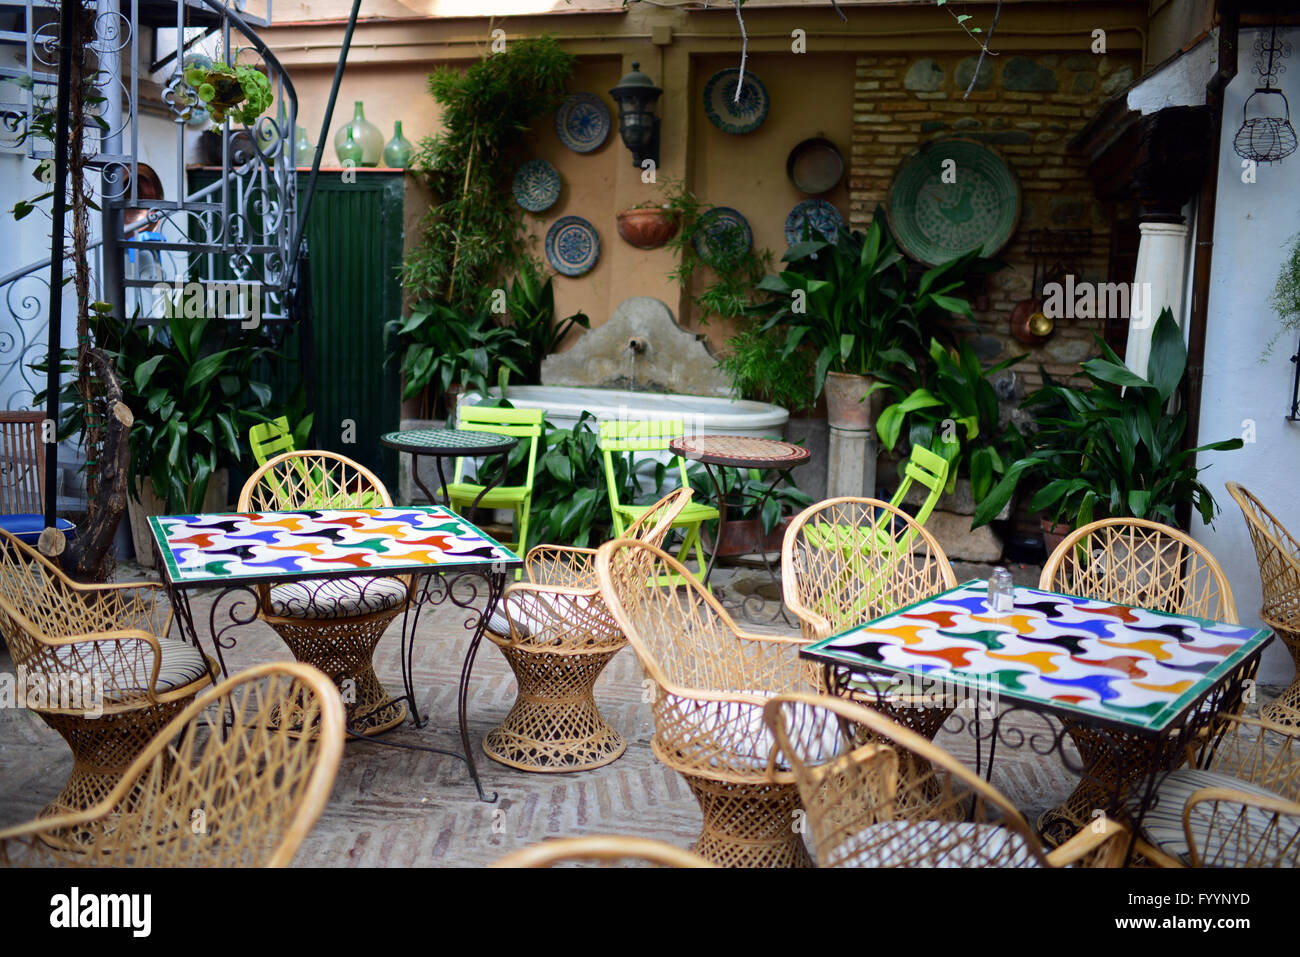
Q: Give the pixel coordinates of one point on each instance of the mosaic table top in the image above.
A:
(1076, 656)
(231, 548)
(743, 451)
(447, 441)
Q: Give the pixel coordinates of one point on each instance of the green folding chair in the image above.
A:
(522, 424)
(931, 471)
(269, 439)
(652, 435)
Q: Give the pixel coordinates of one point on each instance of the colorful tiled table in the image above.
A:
(238, 552)
(1127, 671)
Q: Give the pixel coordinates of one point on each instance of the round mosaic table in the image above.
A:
(739, 452)
(442, 444)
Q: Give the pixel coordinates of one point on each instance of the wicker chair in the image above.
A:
(607, 849)
(228, 783)
(1128, 561)
(1238, 805)
(93, 661)
(847, 561)
(1278, 554)
(558, 635)
(712, 680)
(865, 808)
(334, 624)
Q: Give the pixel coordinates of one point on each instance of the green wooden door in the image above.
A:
(354, 239)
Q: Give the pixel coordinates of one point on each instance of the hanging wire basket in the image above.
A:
(1265, 139)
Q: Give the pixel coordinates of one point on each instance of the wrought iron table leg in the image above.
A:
(722, 521)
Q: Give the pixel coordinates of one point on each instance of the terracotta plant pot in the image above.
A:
(647, 228)
(745, 536)
(845, 408)
(1053, 535)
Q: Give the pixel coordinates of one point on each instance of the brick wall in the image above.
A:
(1026, 108)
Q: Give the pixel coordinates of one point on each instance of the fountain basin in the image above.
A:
(700, 414)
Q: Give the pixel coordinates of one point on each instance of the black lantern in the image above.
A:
(637, 124)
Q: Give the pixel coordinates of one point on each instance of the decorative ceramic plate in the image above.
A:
(729, 114)
(720, 231)
(537, 186)
(582, 122)
(572, 245)
(821, 217)
(977, 208)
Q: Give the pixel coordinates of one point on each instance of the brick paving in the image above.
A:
(393, 807)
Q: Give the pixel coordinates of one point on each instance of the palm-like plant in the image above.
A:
(1113, 450)
(446, 347)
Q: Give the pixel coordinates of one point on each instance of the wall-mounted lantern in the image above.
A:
(637, 124)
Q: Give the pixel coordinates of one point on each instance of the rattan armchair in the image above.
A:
(334, 624)
(847, 561)
(711, 681)
(558, 636)
(1278, 554)
(1237, 805)
(95, 663)
(606, 849)
(237, 779)
(885, 796)
(1128, 561)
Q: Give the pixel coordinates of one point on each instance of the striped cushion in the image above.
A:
(181, 664)
(337, 597)
(1163, 824)
(739, 730)
(527, 623)
(946, 844)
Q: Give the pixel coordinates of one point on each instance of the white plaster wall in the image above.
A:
(1252, 225)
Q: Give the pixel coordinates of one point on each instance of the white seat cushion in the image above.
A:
(337, 597)
(1163, 824)
(739, 730)
(529, 622)
(946, 843)
(181, 664)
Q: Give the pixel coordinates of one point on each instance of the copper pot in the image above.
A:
(1029, 323)
(647, 228)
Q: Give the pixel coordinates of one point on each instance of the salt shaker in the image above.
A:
(1002, 591)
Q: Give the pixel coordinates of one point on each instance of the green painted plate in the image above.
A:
(936, 217)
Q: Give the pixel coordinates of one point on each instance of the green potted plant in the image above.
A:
(443, 350)
(239, 91)
(851, 301)
(1112, 450)
(955, 414)
(759, 369)
(1286, 295)
(189, 382)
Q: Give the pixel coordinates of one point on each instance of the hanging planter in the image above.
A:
(647, 227)
(241, 92)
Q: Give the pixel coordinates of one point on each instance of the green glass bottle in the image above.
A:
(366, 134)
(349, 150)
(397, 153)
(303, 150)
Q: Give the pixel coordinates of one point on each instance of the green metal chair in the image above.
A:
(931, 471)
(269, 439)
(520, 423)
(652, 435)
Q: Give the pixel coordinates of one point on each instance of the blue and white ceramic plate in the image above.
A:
(823, 218)
(729, 114)
(582, 122)
(572, 246)
(537, 186)
(722, 230)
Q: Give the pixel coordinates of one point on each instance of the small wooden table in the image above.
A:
(442, 444)
(740, 452)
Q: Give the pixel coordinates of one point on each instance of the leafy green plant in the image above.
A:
(852, 302)
(1113, 450)
(473, 235)
(444, 346)
(190, 386)
(530, 303)
(239, 91)
(733, 266)
(955, 415)
(1285, 298)
(759, 369)
(748, 496)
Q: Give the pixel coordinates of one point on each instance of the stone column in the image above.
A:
(851, 463)
(1159, 281)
